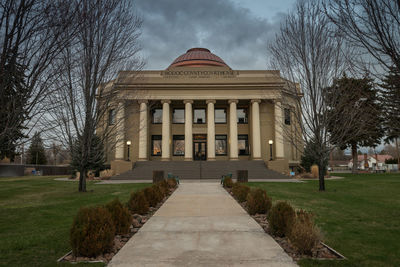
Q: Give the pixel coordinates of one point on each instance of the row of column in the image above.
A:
(233, 134)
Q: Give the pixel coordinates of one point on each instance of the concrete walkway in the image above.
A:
(201, 225)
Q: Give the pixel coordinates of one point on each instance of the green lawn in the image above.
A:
(36, 214)
(359, 216)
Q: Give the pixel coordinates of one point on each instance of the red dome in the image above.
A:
(198, 57)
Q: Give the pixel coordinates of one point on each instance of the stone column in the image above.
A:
(143, 130)
(233, 135)
(120, 136)
(210, 130)
(279, 149)
(255, 129)
(188, 130)
(166, 125)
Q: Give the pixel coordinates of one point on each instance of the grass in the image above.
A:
(359, 216)
(36, 214)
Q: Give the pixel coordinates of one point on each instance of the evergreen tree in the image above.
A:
(358, 103)
(96, 159)
(36, 154)
(391, 104)
(309, 158)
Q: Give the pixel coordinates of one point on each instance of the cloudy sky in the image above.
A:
(235, 30)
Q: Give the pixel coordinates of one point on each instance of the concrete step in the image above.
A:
(143, 170)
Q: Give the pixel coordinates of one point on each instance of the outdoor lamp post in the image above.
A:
(270, 148)
(128, 143)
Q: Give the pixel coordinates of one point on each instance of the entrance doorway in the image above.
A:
(200, 147)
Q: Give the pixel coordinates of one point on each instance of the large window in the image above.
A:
(178, 115)
(242, 115)
(157, 116)
(199, 116)
(156, 142)
(243, 144)
(111, 117)
(220, 115)
(287, 116)
(220, 145)
(179, 145)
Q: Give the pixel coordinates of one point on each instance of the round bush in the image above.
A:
(281, 218)
(121, 216)
(228, 183)
(152, 196)
(258, 201)
(159, 192)
(164, 184)
(240, 191)
(171, 182)
(304, 235)
(138, 203)
(92, 232)
(161, 189)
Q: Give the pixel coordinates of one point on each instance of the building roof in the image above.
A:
(381, 158)
(198, 57)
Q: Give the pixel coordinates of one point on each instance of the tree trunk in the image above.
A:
(321, 175)
(397, 153)
(82, 181)
(355, 158)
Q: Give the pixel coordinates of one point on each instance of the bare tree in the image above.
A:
(373, 26)
(105, 43)
(308, 51)
(32, 34)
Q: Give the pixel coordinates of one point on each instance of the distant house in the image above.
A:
(372, 162)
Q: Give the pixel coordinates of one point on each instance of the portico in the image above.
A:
(193, 111)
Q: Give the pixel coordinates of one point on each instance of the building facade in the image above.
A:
(201, 109)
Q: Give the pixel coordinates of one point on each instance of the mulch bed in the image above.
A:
(322, 251)
(119, 240)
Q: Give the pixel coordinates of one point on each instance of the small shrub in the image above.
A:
(228, 183)
(171, 182)
(240, 191)
(281, 218)
(163, 190)
(258, 201)
(121, 216)
(160, 192)
(92, 232)
(152, 196)
(164, 184)
(304, 235)
(138, 203)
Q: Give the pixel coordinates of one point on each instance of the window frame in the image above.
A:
(173, 112)
(205, 116)
(156, 138)
(287, 116)
(246, 113)
(152, 115)
(226, 144)
(175, 138)
(226, 116)
(247, 146)
(111, 117)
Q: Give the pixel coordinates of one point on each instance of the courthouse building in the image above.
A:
(199, 109)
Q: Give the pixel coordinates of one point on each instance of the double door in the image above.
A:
(200, 147)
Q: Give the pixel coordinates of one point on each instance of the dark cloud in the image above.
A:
(170, 27)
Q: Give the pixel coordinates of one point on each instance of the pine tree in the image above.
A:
(36, 154)
(391, 103)
(358, 103)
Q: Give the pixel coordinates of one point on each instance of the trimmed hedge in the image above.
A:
(121, 216)
(228, 183)
(138, 203)
(92, 232)
(258, 201)
(281, 218)
(240, 191)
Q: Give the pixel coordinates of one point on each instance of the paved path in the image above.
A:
(201, 225)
